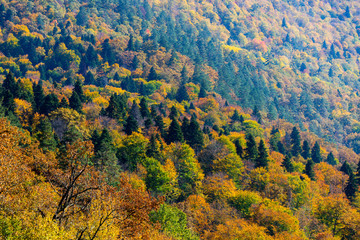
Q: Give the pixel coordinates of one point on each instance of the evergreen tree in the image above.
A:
(239, 149)
(39, 96)
(51, 103)
(315, 153)
(331, 159)
(303, 67)
(309, 169)
(235, 117)
(195, 135)
(63, 103)
(82, 17)
(153, 74)
(185, 128)
(281, 147)
(347, 12)
(107, 52)
(144, 109)
(306, 150)
(351, 187)
(184, 75)
(45, 135)
(251, 149)
(79, 90)
(345, 168)
(202, 93)
(11, 85)
(174, 133)
(159, 123)
(296, 142)
(131, 125)
(287, 164)
(324, 45)
(173, 113)
(284, 23)
(135, 112)
(130, 46)
(89, 79)
(358, 173)
(75, 102)
(182, 94)
(153, 148)
(262, 159)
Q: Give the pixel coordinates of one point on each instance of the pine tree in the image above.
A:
(309, 169)
(202, 93)
(144, 109)
(347, 12)
(75, 102)
(159, 123)
(287, 164)
(281, 147)
(357, 177)
(315, 153)
(82, 17)
(182, 94)
(284, 23)
(239, 149)
(351, 187)
(45, 135)
(153, 148)
(306, 150)
(153, 74)
(79, 90)
(39, 96)
(131, 125)
(185, 128)
(345, 168)
(51, 103)
(89, 79)
(331, 159)
(195, 135)
(262, 159)
(251, 149)
(296, 142)
(235, 117)
(130, 46)
(173, 113)
(11, 85)
(174, 133)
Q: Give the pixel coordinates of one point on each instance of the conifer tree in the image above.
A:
(89, 79)
(195, 135)
(51, 102)
(296, 142)
(284, 23)
(239, 148)
(159, 123)
(185, 128)
(130, 46)
(306, 150)
(309, 169)
(347, 12)
(45, 135)
(144, 109)
(153, 148)
(287, 164)
(174, 133)
(131, 125)
(11, 85)
(182, 94)
(262, 159)
(331, 159)
(251, 149)
(173, 113)
(345, 168)
(79, 90)
(39, 96)
(281, 147)
(75, 102)
(315, 153)
(202, 93)
(235, 117)
(357, 177)
(153, 74)
(351, 187)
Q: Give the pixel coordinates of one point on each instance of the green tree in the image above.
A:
(153, 74)
(287, 164)
(239, 148)
(315, 153)
(331, 159)
(306, 150)
(262, 159)
(75, 102)
(182, 94)
(79, 90)
(131, 125)
(51, 102)
(39, 96)
(173, 222)
(251, 149)
(195, 135)
(144, 109)
(309, 169)
(82, 17)
(345, 168)
(174, 133)
(351, 187)
(45, 135)
(296, 142)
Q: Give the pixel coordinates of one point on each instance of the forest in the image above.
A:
(197, 119)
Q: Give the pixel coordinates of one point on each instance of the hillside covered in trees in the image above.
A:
(200, 119)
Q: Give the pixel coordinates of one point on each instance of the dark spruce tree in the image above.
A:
(287, 164)
(182, 94)
(75, 102)
(345, 168)
(239, 148)
(89, 79)
(296, 142)
(315, 153)
(331, 159)
(262, 159)
(174, 133)
(153, 74)
(131, 125)
(78, 88)
(306, 150)
(251, 149)
(45, 135)
(309, 169)
(159, 123)
(195, 135)
(39, 96)
(351, 187)
(144, 109)
(51, 103)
